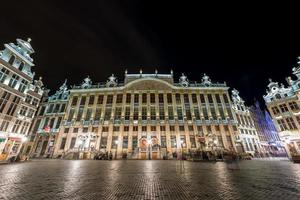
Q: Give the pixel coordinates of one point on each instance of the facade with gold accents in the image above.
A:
(148, 116)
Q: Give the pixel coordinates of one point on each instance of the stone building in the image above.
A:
(267, 133)
(20, 95)
(283, 105)
(47, 122)
(248, 140)
(149, 116)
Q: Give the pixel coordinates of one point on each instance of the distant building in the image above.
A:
(283, 104)
(267, 132)
(248, 140)
(149, 116)
(20, 95)
(48, 121)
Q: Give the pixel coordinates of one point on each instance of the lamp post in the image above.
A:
(116, 142)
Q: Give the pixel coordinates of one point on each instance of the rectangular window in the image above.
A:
(202, 98)
(161, 98)
(79, 114)
(192, 141)
(179, 113)
(91, 100)
(173, 141)
(152, 98)
(135, 128)
(196, 113)
(152, 113)
(126, 128)
(194, 99)
(136, 98)
(107, 113)
(172, 128)
(181, 128)
(114, 142)
(97, 114)
(161, 113)
(225, 97)
(73, 141)
(116, 128)
(144, 128)
(128, 98)
(125, 142)
(191, 128)
(127, 113)
(105, 129)
(119, 98)
(109, 99)
(144, 113)
(3, 74)
(291, 123)
(134, 142)
(170, 113)
(162, 128)
(153, 128)
(88, 114)
(100, 99)
(13, 81)
(283, 108)
(74, 101)
(63, 143)
(163, 142)
(186, 99)
(293, 105)
(169, 98)
(82, 101)
(118, 113)
(135, 113)
(103, 142)
(177, 98)
(144, 98)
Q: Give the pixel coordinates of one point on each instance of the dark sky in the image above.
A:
(243, 45)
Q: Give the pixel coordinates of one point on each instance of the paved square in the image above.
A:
(89, 179)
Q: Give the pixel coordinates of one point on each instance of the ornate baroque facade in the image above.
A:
(146, 117)
(248, 137)
(283, 104)
(20, 95)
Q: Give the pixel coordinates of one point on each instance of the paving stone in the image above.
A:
(88, 179)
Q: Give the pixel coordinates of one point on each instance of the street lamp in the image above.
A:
(116, 142)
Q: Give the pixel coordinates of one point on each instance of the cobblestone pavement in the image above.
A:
(63, 179)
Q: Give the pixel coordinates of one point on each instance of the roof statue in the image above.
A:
(183, 81)
(206, 80)
(62, 93)
(87, 83)
(112, 81)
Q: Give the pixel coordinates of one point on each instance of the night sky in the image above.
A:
(243, 45)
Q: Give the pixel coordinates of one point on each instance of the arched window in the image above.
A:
(12, 60)
(21, 66)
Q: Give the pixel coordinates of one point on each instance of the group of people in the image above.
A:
(104, 156)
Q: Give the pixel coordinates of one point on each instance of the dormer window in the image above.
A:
(12, 60)
(278, 96)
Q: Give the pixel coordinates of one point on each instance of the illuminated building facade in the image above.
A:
(248, 140)
(20, 95)
(149, 116)
(47, 123)
(283, 104)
